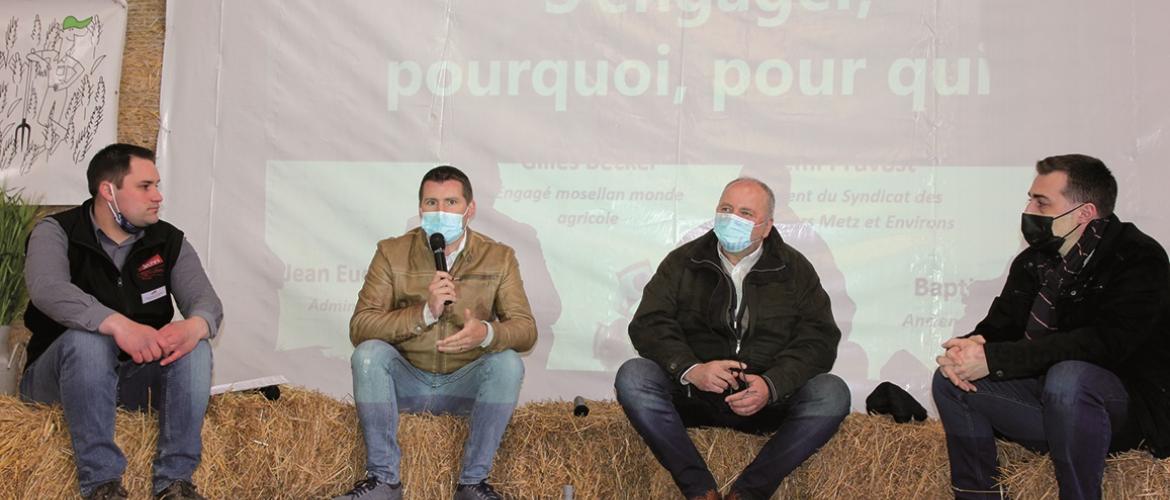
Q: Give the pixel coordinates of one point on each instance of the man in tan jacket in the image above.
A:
(438, 342)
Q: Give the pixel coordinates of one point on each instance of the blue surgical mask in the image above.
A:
(119, 218)
(448, 224)
(734, 232)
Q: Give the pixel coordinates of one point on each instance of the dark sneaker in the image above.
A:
(179, 490)
(371, 488)
(481, 491)
(112, 490)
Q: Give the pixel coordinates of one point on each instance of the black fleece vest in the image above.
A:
(147, 269)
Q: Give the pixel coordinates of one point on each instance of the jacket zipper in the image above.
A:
(101, 252)
(745, 279)
(728, 316)
(739, 334)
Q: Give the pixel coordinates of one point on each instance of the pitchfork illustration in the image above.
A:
(23, 136)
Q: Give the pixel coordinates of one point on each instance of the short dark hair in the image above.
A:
(112, 164)
(1089, 180)
(444, 173)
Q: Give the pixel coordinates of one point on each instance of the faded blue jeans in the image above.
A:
(81, 371)
(385, 383)
(1075, 412)
(660, 410)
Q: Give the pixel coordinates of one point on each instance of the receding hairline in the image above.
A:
(768, 194)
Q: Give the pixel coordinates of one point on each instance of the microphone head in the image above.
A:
(580, 409)
(438, 242)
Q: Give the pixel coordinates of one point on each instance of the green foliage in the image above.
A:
(17, 215)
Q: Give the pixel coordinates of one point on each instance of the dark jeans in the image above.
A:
(660, 410)
(1075, 412)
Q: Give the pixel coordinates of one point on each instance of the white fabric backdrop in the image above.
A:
(900, 136)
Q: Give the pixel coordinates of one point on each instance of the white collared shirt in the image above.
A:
(737, 272)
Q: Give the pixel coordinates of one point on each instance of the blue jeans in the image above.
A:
(81, 371)
(1075, 412)
(385, 383)
(661, 409)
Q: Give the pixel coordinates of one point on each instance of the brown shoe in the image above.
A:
(738, 495)
(709, 495)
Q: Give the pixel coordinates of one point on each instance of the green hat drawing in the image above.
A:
(71, 23)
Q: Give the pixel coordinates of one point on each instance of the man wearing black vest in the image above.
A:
(1073, 358)
(101, 279)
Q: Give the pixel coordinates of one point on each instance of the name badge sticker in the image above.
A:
(154, 295)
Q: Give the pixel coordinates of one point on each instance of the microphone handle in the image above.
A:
(441, 265)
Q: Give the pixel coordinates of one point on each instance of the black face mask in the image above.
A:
(1037, 230)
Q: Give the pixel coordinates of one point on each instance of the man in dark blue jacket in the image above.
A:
(734, 330)
(1073, 357)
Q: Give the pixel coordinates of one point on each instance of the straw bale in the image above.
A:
(308, 445)
(304, 445)
(138, 102)
(874, 457)
(1132, 474)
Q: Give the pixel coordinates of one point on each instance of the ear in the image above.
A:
(105, 191)
(1087, 212)
(470, 212)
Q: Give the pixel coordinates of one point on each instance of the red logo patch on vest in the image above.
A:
(151, 269)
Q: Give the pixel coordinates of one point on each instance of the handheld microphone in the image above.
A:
(438, 244)
(740, 378)
(579, 407)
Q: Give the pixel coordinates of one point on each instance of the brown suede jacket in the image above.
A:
(390, 303)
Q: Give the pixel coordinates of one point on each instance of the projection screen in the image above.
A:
(899, 136)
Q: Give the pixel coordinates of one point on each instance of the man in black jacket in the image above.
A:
(734, 330)
(1073, 357)
(101, 278)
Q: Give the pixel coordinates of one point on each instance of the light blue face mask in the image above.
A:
(448, 224)
(734, 232)
(126, 225)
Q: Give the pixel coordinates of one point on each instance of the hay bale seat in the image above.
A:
(307, 445)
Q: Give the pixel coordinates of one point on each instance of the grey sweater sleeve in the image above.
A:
(192, 290)
(51, 288)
